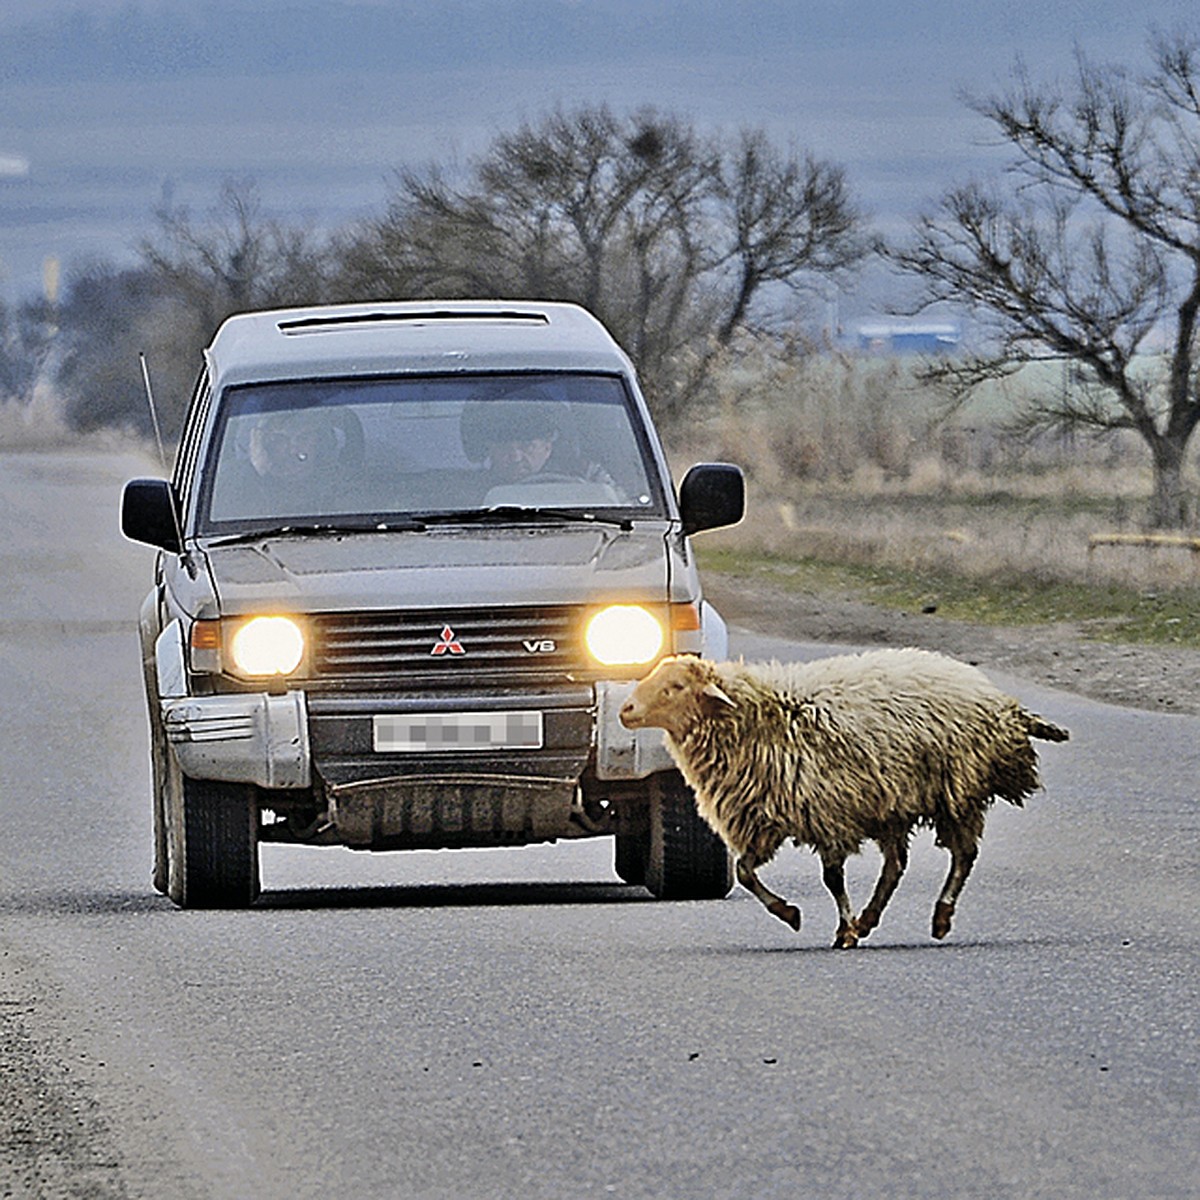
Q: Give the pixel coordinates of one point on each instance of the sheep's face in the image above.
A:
(677, 694)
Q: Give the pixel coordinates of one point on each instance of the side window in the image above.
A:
(189, 444)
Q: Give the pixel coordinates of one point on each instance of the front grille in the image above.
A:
(504, 643)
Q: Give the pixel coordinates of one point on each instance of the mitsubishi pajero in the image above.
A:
(412, 557)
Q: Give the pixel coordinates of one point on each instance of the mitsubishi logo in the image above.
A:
(448, 644)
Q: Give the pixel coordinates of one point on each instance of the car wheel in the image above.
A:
(159, 787)
(160, 762)
(212, 836)
(685, 860)
(630, 855)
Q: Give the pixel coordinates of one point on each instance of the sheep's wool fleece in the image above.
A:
(835, 751)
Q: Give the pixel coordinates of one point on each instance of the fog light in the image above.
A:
(624, 635)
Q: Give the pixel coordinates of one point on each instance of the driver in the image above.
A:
(523, 448)
(527, 441)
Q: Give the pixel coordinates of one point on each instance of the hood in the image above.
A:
(444, 566)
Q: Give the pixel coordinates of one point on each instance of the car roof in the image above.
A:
(427, 336)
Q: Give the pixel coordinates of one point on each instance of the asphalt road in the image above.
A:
(519, 1024)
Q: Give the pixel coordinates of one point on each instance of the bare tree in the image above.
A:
(583, 206)
(666, 235)
(1093, 249)
(192, 275)
(234, 260)
(789, 217)
(201, 271)
(106, 317)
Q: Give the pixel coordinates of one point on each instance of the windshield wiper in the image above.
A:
(319, 529)
(520, 514)
(499, 514)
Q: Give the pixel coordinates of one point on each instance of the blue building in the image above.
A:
(934, 337)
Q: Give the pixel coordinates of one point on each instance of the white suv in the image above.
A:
(412, 558)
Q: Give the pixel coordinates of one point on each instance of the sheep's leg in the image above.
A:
(833, 873)
(895, 861)
(747, 866)
(964, 848)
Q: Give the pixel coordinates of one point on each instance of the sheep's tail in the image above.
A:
(1039, 727)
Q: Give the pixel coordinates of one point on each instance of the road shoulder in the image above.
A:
(53, 1141)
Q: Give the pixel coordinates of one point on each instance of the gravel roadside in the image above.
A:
(1156, 678)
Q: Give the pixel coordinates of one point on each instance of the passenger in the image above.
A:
(289, 469)
(292, 445)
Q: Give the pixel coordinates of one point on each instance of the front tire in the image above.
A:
(160, 768)
(686, 860)
(213, 843)
(630, 855)
(160, 786)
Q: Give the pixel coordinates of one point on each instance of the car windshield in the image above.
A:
(365, 452)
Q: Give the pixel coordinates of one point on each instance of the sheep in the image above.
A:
(841, 750)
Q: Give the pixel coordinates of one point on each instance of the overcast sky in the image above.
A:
(109, 103)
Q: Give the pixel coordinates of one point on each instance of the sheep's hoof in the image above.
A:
(847, 938)
(942, 914)
(789, 914)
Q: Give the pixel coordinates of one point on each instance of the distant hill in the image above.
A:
(139, 41)
(111, 105)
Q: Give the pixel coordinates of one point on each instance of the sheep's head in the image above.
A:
(678, 693)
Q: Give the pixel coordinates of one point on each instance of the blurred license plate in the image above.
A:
(428, 732)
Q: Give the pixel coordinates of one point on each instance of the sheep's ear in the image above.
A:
(717, 693)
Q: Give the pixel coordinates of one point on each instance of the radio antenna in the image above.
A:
(162, 454)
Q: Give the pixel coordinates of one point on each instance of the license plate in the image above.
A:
(425, 733)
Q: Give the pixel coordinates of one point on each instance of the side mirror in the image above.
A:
(712, 495)
(148, 514)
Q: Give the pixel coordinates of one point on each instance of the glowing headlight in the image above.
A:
(623, 635)
(267, 646)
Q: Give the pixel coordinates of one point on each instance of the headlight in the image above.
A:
(624, 635)
(267, 646)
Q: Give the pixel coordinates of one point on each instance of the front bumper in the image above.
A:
(282, 741)
(254, 738)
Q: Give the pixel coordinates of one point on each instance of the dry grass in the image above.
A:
(849, 461)
(992, 540)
